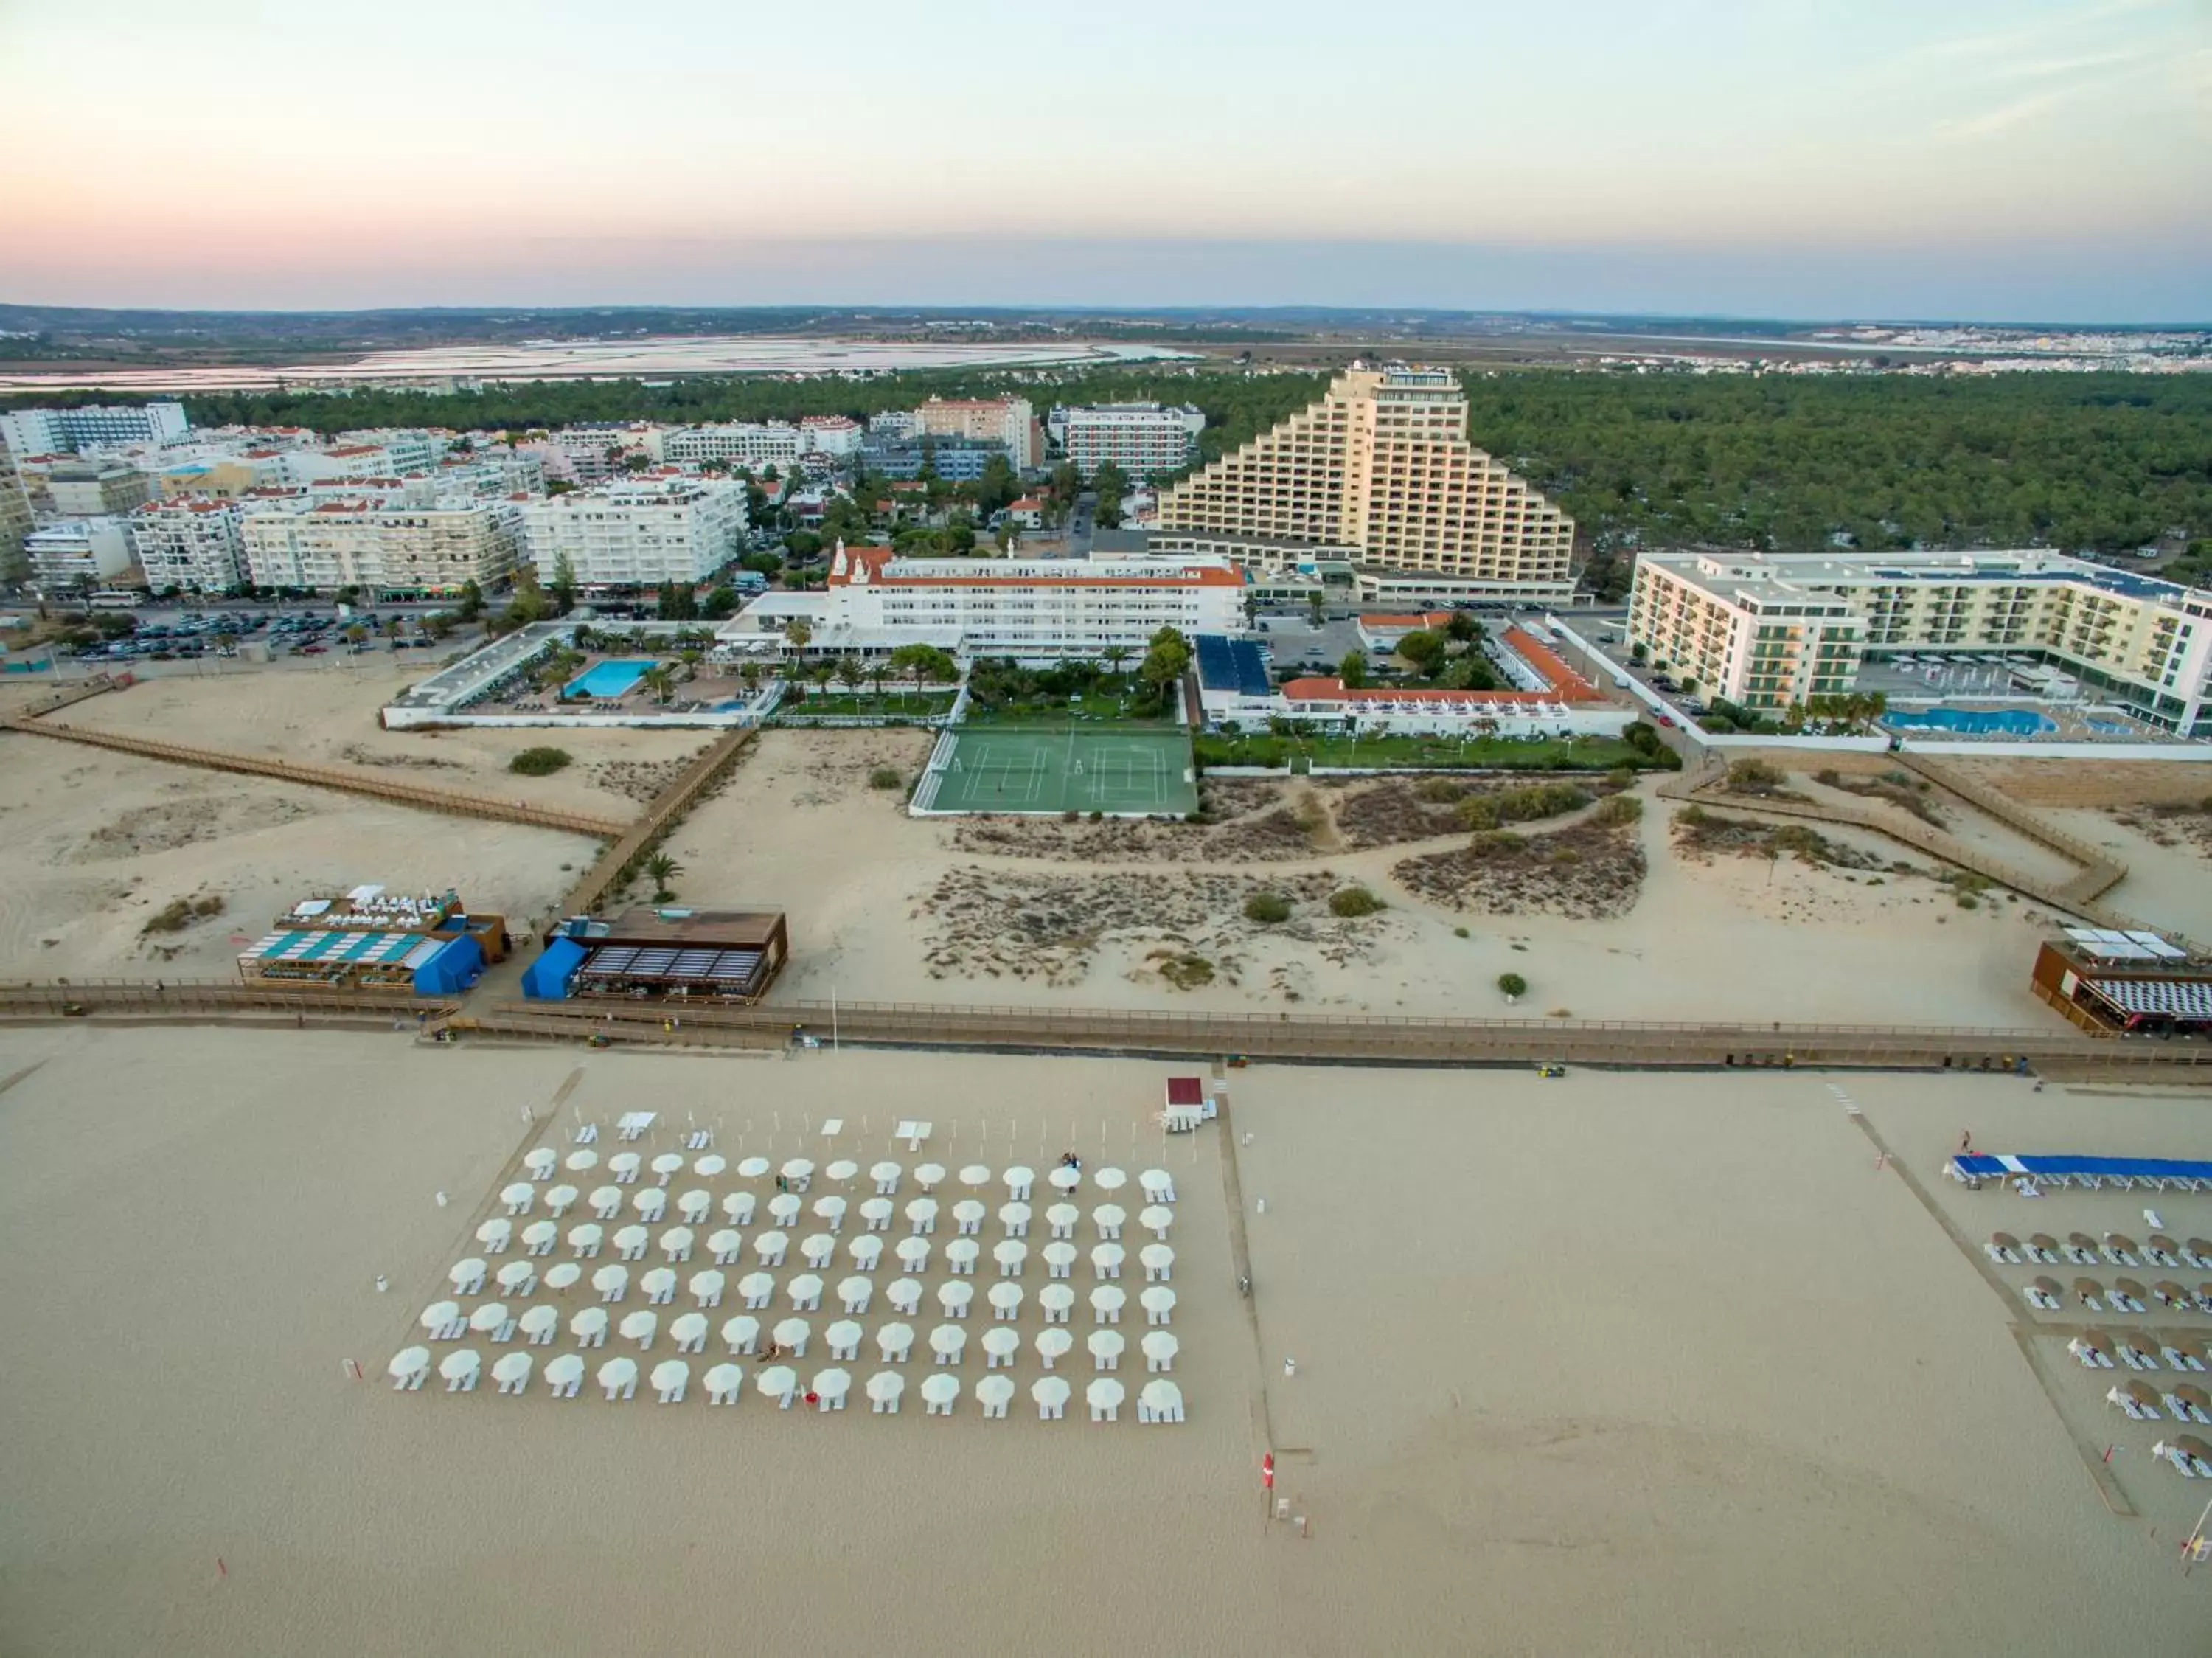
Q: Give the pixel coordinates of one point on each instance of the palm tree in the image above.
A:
(878, 670)
(662, 869)
(749, 672)
(660, 680)
(821, 672)
(850, 673)
(1114, 656)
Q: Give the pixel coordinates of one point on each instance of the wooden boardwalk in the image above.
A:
(452, 801)
(665, 807)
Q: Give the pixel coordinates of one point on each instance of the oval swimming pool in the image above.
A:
(1973, 721)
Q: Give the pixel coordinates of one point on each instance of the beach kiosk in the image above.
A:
(1188, 1104)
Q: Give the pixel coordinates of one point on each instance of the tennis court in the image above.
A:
(1134, 771)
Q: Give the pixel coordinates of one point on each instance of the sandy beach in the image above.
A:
(1605, 1362)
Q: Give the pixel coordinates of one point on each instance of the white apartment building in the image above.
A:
(1036, 610)
(407, 450)
(45, 431)
(15, 518)
(1007, 421)
(1380, 469)
(639, 532)
(379, 545)
(1145, 440)
(77, 553)
(191, 544)
(1767, 631)
(833, 436)
(739, 444)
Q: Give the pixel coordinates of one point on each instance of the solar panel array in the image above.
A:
(732, 970)
(1226, 664)
(2134, 944)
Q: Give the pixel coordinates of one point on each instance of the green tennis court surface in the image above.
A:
(999, 770)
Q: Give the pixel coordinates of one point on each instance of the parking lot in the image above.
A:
(168, 636)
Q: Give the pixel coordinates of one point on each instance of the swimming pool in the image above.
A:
(1973, 721)
(609, 678)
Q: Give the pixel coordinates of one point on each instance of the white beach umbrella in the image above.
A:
(563, 1370)
(1050, 1392)
(913, 1253)
(740, 1332)
(581, 1160)
(639, 1326)
(752, 1168)
(843, 1335)
(922, 1212)
(461, 1365)
(618, 1373)
(519, 1196)
(739, 1207)
(830, 1386)
(660, 1284)
(1162, 1401)
(885, 1173)
(974, 1176)
(960, 1254)
(895, 1340)
(563, 1276)
(1055, 1298)
(606, 1202)
(724, 1380)
(1015, 1218)
(632, 1240)
(706, 1287)
(1065, 1179)
(541, 1162)
(539, 1236)
(1160, 1347)
(783, 1208)
(818, 1248)
(929, 1175)
(1051, 1345)
(1058, 1255)
(843, 1169)
(695, 1205)
(1000, 1342)
(854, 1294)
(585, 1236)
(1158, 1303)
(805, 1291)
(676, 1242)
(954, 1297)
(624, 1165)
(771, 1246)
(650, 1204)
(754, 1286)
(904, 1294)
(612, 1280)
(1104, 1393)
(495, 1234)
(726, 1244)
(992, 1393)
(941, 1388)
(1005, 1298)
(1110, 1180)
(778, 1382)
(876, 1210)
(866, 1251)
(1155, 1219)
(439, 1315)
(512, 1370)
(488, 1317)
(711, 1165)
(792, 1333)
(538, 1322)
(466, 1273)
(1062, 1217)
(1106, 1346)
(798, 1169)
(669, 1378)
(1018, 1180)
(1107, 1302)
(830, 1208)
(589, 1325)
(1109, 1218)
(885, 1387)
(1157, 1183)
(408, 1363)
(688, 1330)
(560, 1199)
(968, 1214)
(1158, 1260)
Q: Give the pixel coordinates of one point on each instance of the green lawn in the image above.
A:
(1093, 707)
(893, 704)
(1487, 753)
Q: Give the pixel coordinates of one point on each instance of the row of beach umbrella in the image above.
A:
(1011, 1256)
(947, 1343)
(798, 1173)
(1157, 1401)
(696, 1208)
(2114, 1248)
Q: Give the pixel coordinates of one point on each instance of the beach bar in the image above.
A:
(672, 955)
(372, 938)
(2112, 982)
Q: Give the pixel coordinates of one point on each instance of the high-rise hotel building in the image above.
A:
(1379, 471)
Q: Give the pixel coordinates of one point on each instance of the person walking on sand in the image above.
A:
(1965, 1143)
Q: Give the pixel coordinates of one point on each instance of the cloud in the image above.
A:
(2006, 116)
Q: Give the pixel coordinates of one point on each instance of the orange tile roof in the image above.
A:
(1426, 618)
